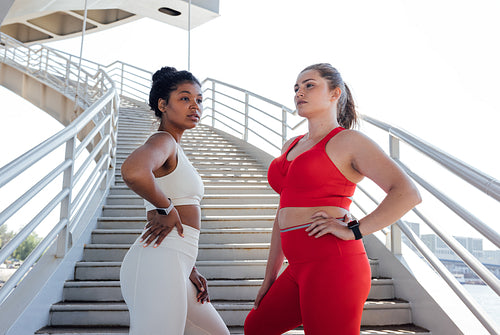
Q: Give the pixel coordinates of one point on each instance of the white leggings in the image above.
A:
(160, 297)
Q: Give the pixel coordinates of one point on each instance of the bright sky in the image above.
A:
(430, 67)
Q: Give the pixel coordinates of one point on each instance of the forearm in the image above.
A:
(396, 204)
(276, 256)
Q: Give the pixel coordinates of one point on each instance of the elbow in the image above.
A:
(129, 174)
(415, 197)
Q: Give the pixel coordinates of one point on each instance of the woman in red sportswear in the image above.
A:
(328, 277)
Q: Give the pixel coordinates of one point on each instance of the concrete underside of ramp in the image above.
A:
(50, 100)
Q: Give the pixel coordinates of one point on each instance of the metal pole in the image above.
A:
(395, 230)
(189, 36)
(81, 53)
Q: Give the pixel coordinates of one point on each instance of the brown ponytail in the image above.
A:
(347, 115)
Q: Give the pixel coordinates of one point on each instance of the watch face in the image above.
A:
(353, 224)
(161, 211)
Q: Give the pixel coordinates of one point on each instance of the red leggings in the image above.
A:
(324, 288)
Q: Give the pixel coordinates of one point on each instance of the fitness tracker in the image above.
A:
(354, 226)
(166, 211)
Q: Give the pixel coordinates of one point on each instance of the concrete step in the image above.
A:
(231, 235)
(230, 269)
(130, 200)
(226, 199)
(221, 270)
(121, 223)
(254, 221)
(408, 329)
(121, 190)
(221, 182)
(237, 289)
(124, 210)
(206, 169)
(206, 210)
(216, 174)
(207, 251)
(376, 313)
(238, 209)
(238, 189)
(234, 330)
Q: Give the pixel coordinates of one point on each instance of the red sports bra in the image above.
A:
(311, 179)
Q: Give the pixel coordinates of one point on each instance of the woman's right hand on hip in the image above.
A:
(160, 226)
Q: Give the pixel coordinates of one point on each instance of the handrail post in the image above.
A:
(395, 230)
(283, 125)
(63, 240)
(245, 131)
(213, 104)
(121, 79)
(66, 83)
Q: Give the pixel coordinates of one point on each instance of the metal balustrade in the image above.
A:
(84, 168)
(259, 121)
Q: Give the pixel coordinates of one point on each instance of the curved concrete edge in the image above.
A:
(433, 304)
(43, 96)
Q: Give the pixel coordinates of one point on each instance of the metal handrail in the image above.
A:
(96, 124)
(478, 179)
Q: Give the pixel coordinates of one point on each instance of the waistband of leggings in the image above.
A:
(302, 226)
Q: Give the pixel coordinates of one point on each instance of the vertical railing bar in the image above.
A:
(65, 212)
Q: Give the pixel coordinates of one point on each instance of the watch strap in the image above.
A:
(354, 226)
(166, 211)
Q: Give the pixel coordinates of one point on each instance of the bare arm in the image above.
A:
(274, 262)
(138, 169)
(361, 157)
(158, 155)
(402, 195)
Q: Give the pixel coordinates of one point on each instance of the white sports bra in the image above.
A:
(183, 185)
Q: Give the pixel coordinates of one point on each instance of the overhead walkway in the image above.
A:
(69, 284)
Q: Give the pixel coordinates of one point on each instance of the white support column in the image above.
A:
(395, 231)
(63, 240)
(245, 131)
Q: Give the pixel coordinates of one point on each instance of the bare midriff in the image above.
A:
(190, 215)
(295, 216)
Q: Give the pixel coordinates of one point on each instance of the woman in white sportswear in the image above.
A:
(163, 290)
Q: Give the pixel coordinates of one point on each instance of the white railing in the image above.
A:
(249, 116)
(88, 147)
(242, 113)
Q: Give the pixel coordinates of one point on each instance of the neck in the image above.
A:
(174, 131)
(319, 127)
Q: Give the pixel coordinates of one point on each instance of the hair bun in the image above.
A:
(164, 72)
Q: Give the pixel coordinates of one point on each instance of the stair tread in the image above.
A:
(201, 245)
(211, 282)
(232, 304)
(408, 329)
(203, 230)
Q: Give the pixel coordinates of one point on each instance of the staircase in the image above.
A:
(237, 216)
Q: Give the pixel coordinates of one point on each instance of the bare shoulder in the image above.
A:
(355, 140)
(160, 140)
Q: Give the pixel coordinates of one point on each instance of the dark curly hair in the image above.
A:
(347, 115)
(165, 81)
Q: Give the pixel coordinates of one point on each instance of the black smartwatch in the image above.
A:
(354, 226)
(166, 211)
